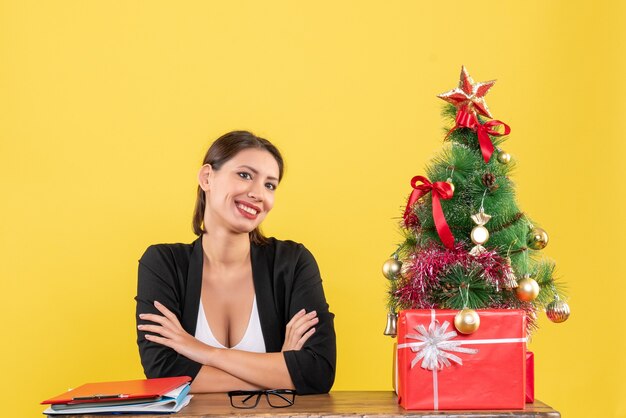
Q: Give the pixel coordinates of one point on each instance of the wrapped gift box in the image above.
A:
(530, 377)
(440, 368)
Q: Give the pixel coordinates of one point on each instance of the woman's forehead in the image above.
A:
(258, 159)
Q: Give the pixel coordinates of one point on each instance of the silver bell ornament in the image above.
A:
(392, 268)
(392, 324)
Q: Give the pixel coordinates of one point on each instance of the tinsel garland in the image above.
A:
(425, 265)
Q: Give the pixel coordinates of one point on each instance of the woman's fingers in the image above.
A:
(154, 318)
(172, 338)
(294, 323)
(305, 325)
(302, 319)
(156, 329)
(160, 340)
(296, 317)
(168, 314)
(305, 337)
(171, 334)
(299, 329)
(168, 320)
(161, 320)
(181, 342)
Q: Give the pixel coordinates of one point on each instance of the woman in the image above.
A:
(235, 310)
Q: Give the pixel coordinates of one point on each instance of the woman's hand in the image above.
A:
(171, 334)
(299, 329)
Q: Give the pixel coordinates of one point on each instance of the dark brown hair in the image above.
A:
(222, 150)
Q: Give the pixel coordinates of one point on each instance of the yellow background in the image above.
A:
(107, 107)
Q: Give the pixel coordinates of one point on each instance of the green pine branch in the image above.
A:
(459, 288)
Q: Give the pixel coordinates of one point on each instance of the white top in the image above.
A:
(252, 339)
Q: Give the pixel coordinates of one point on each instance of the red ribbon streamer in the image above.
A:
(440, 190)
(465, 119)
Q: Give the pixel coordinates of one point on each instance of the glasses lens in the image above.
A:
(281, 399)
(244, 400)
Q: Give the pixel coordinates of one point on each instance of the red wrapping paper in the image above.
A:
(530, 377)
(492, 378)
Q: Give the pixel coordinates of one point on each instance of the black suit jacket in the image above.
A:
(286, 279)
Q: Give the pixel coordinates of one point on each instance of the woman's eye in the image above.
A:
(270, 186)
(245, 175)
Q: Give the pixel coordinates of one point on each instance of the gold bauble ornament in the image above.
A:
(449, 181)
(467, 321)
(504, 157)
(391, 268)
(527, 289)
(537, 238)
(557, 311)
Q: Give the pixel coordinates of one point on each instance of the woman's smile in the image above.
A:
(247, 209)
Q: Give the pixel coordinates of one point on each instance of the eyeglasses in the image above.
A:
(248, 399)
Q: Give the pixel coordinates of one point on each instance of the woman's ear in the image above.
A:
(204, 177)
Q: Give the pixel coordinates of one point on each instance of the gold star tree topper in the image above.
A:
(469, 96)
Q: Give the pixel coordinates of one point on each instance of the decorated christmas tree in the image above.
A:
(467, 244)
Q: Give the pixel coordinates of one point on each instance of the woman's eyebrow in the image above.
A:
(254, 171)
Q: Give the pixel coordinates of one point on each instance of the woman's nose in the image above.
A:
(255, 193)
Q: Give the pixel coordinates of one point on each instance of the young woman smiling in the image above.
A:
(234, 309)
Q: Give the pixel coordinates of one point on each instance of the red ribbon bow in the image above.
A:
(465, 119)
(440, 190)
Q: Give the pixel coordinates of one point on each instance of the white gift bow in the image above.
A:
(436, 346)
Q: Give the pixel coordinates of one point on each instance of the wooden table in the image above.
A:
(337, 404)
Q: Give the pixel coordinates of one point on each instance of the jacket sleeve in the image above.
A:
(158, 280)
(312, 369)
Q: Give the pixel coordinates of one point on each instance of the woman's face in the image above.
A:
(241, 193)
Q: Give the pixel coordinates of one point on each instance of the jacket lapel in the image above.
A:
(262, 258)
(194, 287)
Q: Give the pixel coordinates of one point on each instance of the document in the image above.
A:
(171, 402)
